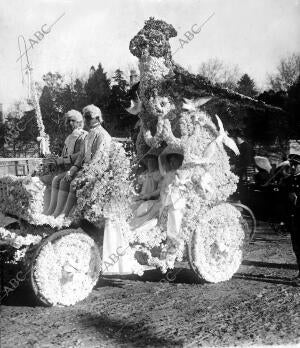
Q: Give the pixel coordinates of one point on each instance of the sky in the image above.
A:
(254, 34)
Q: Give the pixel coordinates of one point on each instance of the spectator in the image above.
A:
(244, 163)
(264, 168)
(293, 193)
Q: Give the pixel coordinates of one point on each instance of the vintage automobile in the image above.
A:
(64, 257)
(64, 262)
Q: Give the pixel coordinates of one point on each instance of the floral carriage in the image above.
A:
(64, 257)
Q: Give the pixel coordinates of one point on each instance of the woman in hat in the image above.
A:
(171, 196)
(70, 152)
(96, 143)
(150, 179)
(146, 206)
(263, 168)
(146, 214)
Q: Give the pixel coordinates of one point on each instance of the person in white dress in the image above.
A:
(147, 199)
(71, 149)
(171, 195)
(167, 196)
(96, 143)
(162, 191)
(117, 254)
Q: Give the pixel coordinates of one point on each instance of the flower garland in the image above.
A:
(16, 240)
(19, 244)
(104, 188)
(22, 196)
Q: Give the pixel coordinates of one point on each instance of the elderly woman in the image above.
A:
(71, 149)
(96, 143)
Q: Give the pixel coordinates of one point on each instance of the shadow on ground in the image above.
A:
(177, 275)
(133, 332)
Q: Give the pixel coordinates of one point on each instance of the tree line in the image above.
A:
(60, 93)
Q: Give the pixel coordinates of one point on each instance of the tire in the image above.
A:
(65, 267)
(249, 220)
(215, 249)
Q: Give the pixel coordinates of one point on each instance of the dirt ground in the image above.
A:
(258, 306)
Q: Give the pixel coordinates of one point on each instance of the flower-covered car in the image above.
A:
(190, 215)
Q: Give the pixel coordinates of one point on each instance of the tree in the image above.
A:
(80, 96)
(19, 132)
(293, 107)
(58, 97)
(11, 141)
(287, 72)
(53, 108)
(119, 82)
(97, 88)
(2, 141)
(217, 72)
(273, 98)
(120, 123)
(246, 86)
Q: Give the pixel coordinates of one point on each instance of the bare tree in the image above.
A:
(216, 71)
(287, 72)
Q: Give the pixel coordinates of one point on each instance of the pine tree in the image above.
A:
(98, 88)
(56, 99)
(246, 86)
(81, 98)
(120, 122)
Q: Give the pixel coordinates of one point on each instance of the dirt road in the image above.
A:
(258, 306)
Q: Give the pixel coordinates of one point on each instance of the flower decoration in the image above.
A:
(104, 188)
(204, 181)
(22, 197)
(153, 39)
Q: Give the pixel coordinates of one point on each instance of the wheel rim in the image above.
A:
(65, 268)
(249, 218)
(216, 247)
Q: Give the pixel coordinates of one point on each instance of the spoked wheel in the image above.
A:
(216, 246)
(65, 268)
(249, 221)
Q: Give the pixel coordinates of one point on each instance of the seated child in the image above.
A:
(146, 200)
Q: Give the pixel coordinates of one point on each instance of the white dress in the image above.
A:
(172, 198)
(117, 254)
(143, 211)
(118, 257)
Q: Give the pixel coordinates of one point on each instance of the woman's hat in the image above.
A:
(73, 114)
(163, 157)
(93, 111)
(263, 163)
